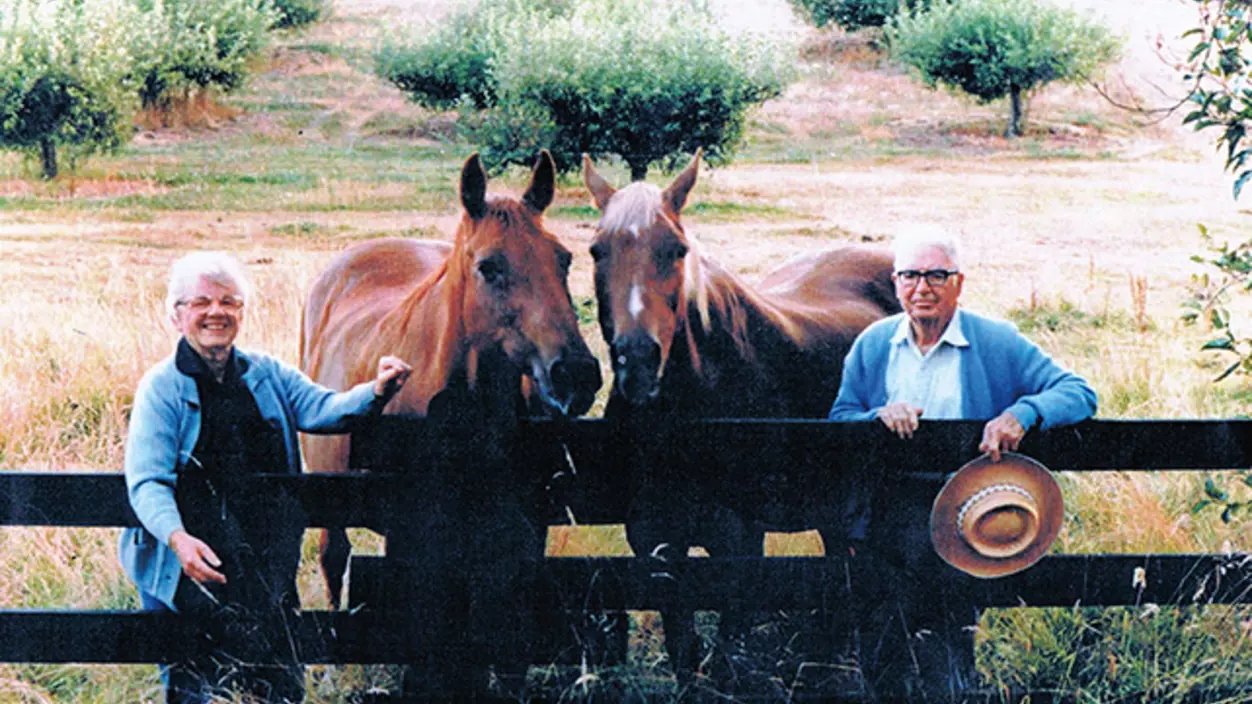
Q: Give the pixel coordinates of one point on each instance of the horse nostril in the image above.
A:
(637, 351)
(576, 374)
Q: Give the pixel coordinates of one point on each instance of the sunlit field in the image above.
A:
(1080, 232)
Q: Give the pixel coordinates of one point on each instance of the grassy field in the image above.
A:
(316, 153)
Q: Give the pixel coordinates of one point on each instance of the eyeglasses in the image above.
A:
(934, 277)
(203, 303)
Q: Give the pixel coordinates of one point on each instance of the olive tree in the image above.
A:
(992, 49)
(66, 78)
(853, 14)
(645, 80)
(187, 45)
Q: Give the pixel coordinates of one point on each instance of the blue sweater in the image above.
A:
(1000, 370)
(164, 428)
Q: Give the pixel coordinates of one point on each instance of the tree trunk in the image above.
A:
(48, 158)
(638, 170)
(1015, 116)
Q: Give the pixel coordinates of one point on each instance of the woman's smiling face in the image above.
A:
(209, 316)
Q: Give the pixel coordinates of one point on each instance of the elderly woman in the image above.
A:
(203, 418)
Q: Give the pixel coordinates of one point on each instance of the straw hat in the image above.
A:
(992, 519)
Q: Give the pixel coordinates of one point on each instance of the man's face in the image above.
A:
(925, 304)
(209, 316)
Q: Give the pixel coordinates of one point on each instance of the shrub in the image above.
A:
(187, 45)
(65, 78)
(853, 14)
(646, 80)
(297, 13)
(996, 48)
(455, 62)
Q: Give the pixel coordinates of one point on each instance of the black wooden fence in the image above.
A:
(592, 471)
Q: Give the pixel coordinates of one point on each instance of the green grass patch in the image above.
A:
(1065, 316)
(725, 211)
(586, 309)
(574, 212)
(306, 229)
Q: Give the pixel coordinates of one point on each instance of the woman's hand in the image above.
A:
(197, 558)
(392, 373)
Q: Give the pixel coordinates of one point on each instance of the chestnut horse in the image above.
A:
(497, 295)
(689, 339)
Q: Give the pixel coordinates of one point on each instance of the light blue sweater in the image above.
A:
(1000, 370)
(164, 428)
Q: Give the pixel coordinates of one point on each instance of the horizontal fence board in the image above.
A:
(372, 633)
(592, 468)
(937, 446)
(616, 583)
(54, 636)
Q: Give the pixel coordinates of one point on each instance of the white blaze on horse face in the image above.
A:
(636, 301)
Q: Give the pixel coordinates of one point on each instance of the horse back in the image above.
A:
(832, 296)
(353, 293)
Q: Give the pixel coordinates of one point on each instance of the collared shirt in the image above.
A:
(930, 381)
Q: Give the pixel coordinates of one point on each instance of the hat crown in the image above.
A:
(1000, 521)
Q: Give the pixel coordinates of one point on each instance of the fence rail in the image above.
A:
(590, 470)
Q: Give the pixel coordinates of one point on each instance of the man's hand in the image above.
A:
(196, 557)
(900, 418)
(1001, 433)
(392, 373)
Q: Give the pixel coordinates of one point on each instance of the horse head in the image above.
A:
(645, 275)
(511, 278)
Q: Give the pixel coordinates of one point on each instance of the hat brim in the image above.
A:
(977, 475)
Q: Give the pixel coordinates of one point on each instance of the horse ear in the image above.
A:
(474, 187)
(676, 195)
(542, 186)
(600, 189)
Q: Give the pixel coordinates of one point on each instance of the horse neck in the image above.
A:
(730, 366)
(428, 327)
(737, 322)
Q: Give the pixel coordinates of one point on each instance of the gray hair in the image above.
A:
(907, 244)
(218, 267)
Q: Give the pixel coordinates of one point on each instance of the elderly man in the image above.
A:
(203, 418)
(939, 361)
(936, 361)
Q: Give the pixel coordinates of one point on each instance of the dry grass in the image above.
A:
(1080, 233)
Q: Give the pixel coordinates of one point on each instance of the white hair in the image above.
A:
(218, 267)
(907, 244)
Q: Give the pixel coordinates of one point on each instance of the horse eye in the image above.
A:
(671, 253)
(598, 251)
(492, 270)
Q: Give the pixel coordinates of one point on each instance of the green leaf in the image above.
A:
(1219, 343)
(1229, 370)
(1214, 492)
(1239, 183)
(1226, 515)
(1201, 505)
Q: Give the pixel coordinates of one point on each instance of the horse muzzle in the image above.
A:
(637, 368)
(567, 385)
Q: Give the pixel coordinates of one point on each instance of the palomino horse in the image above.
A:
(689, 339)
(496, 297)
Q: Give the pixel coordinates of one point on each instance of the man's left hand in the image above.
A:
(392, 373)
(1003, 432)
